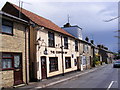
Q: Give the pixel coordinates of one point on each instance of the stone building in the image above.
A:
(13, 49)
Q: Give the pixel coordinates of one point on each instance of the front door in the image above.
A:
(90, 62)
(18, 69)
(43, 68)
(78, 63)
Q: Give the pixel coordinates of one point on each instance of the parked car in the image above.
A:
(116, 63)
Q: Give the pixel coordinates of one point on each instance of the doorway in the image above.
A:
(18, 79)
(43, 68)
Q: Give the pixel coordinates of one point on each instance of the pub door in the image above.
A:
(43, 68)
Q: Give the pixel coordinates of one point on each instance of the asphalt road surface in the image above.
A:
(107, 77)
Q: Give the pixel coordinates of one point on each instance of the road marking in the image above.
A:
(111, 84)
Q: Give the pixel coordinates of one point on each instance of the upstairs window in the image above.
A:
(7, 27)
(51, 42)
(65, 43)
(85, 48)
(76, 45)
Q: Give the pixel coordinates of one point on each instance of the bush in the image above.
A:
(97, 62)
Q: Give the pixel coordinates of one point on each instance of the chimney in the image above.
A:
(92, 41)
(87, 39)
(67, 25)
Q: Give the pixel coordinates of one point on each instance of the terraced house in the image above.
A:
(85, 51)
(14, 47)
(53, 51)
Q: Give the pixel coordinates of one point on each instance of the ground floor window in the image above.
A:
(10, 61)
(53, 64)
(67, 62)
(75, 62)
(84, 60)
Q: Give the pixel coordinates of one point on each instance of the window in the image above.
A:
(85, 47)
(10, 61)
(75, 62)
(7, 27)
(84, 60)
(76, 45)
(53, 64)
(67, 62)
(65, 43)
(51, 42)
(6, 61)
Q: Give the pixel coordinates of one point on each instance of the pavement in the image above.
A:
(58, 80)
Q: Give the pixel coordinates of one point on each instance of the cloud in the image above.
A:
(72, 0)
(86, 14)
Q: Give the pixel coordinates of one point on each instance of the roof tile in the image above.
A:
(42, 21)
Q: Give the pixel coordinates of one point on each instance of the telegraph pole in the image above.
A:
(118, 17)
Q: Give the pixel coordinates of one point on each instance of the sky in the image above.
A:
(87, 14)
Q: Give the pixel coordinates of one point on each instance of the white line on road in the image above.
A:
(111, 84)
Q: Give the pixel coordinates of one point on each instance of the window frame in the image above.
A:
(7, 58)
(65, 42)
(12, 60)
(7, 26)
(76, 45)
(75, 62)
(55, 64)
(67, 64)
(50, 40)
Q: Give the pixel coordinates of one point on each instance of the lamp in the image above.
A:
(45, 52)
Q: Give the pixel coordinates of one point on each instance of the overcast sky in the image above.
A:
(89, 15)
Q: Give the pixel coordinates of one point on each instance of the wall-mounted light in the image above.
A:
(40, 28)
(45, 52)
(39, 39)
(37, 43)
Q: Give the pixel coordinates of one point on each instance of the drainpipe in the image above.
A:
(26, 51)
(87, 56)
(93, 56)
(62, 56)
(86, 62)
(78, 61)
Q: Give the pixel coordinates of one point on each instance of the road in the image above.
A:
(107, 77)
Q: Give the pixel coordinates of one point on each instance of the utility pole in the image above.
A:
(118, 26)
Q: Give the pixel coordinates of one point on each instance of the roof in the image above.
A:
(73, 26)
(41, 21)
(11, 16)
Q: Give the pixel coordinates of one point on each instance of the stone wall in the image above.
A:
(16, 44)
